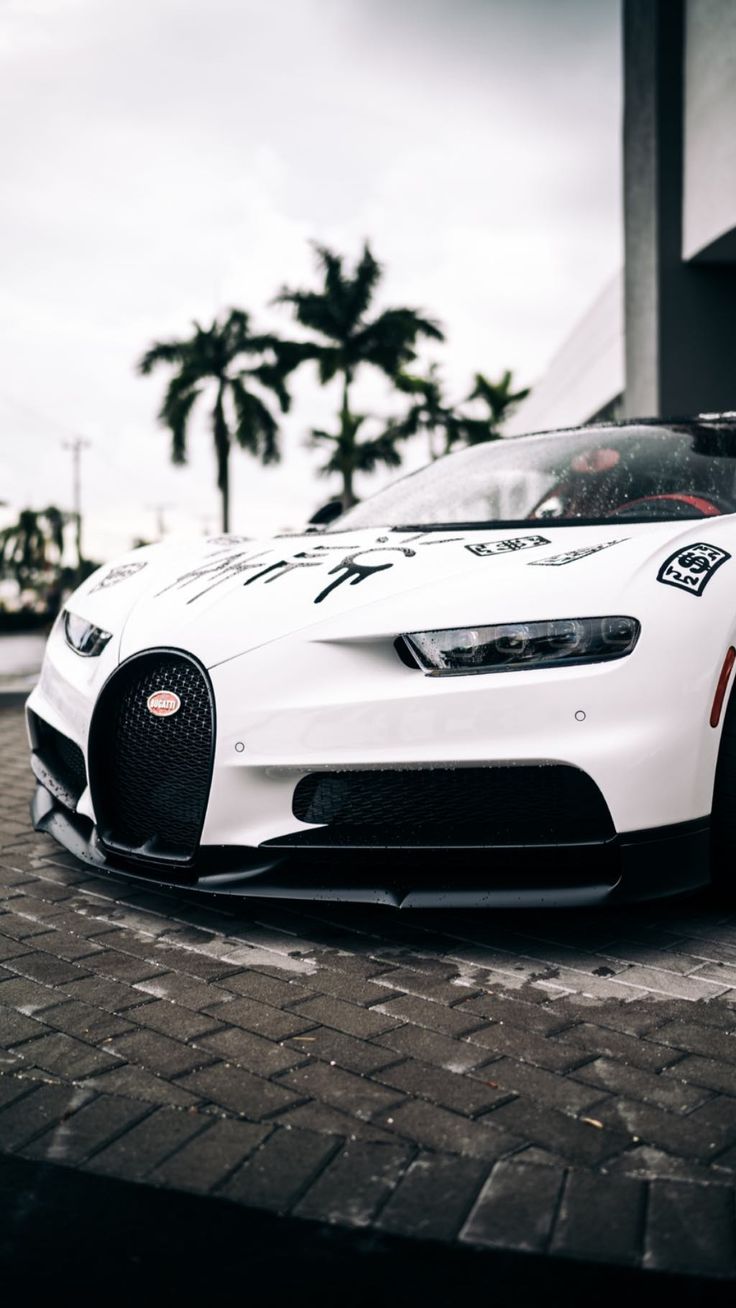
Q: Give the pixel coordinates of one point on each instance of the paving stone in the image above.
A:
(274, 1023)
(690, 1228)
(699, 1135)
(11, 948)
(355, 1184)
(71, 1141)
(463, 1094)
(114, 996)
(281, 1170)
(138, 1151)
(136, 1083)
(577, 1141)
(16, 1027)
(697, 1071)
(635, 1083)
(172, 1020)
(349, 1018)
(64, 945)
(696, 1039)
(600, 1041)
(66, 1057)
(122, 967)
(158, 1053)
(351, 989)
(530, 1047)
(46, 969)
(332, 1085)
(239, 1091)
(423, 1012)
(34, 1113)
(186, 990)
(207, 1159)
(516, 1208)
(12, 1088)
(267, 989)
(433, 1047)
(345, 1051)
(601, 1218)
(439, 1129)
(668, 983)
(84, 1021)
(244, 1048)
(535, 1083)
(26, 996)
(647, 1163)
(439, 990)
(331, 1121)
(433, 1197)
(515, 1012)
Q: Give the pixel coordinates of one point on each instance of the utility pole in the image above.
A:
(159, 510)
(76, 446)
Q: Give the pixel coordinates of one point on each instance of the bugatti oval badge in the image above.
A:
(163, 703)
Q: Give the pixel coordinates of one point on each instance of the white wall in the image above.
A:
(586, 373)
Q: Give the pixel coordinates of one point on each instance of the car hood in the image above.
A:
(221, 597)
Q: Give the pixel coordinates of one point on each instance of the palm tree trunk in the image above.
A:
(222, 450)
(348, 496)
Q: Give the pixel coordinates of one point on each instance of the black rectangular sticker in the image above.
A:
(507, 546)
(691, 568)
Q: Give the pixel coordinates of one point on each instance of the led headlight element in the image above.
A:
(510, 647)
(83, 637)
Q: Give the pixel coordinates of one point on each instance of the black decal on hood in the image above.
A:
(115, 575)
(507, 546)
(557, 560)
(692, 567)
(216, 571)
(354, 572)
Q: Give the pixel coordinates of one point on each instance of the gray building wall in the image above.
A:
(669, 340)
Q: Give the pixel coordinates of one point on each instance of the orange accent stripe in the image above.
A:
(720, 695)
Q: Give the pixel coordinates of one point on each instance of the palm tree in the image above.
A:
(350, 455)
(212, 359)
(428, 412)
(500, 401)
(347, 339)
(32, 545)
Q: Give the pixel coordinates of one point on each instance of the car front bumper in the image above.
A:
(640, 865)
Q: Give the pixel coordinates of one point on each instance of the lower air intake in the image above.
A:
(150, 775)
(522, 805)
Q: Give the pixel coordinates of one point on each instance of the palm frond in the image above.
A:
(256, 429)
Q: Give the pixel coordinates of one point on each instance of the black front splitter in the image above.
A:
(644, 865)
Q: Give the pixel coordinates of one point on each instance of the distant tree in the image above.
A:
(349, 454)
(347, 339)
(428, 412)
(499, 399)
(211, 361)
(32, 546)
(446, 424)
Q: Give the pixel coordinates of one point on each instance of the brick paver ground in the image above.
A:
(551, 1082)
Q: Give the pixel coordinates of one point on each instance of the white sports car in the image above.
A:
(504, 680)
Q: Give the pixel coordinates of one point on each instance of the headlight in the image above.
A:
(516, 645)
(83, 637)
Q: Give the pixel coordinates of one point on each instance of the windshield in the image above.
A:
(581, 476)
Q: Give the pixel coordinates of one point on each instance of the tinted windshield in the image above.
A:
(587, 475)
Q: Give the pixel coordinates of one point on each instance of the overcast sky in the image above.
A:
(163, 159)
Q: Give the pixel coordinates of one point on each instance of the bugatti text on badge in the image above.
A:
(163, 703)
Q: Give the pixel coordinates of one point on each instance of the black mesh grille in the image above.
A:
(150, 775)
(61, 757)
(524, 805)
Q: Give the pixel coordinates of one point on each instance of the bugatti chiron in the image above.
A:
(503, 680)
